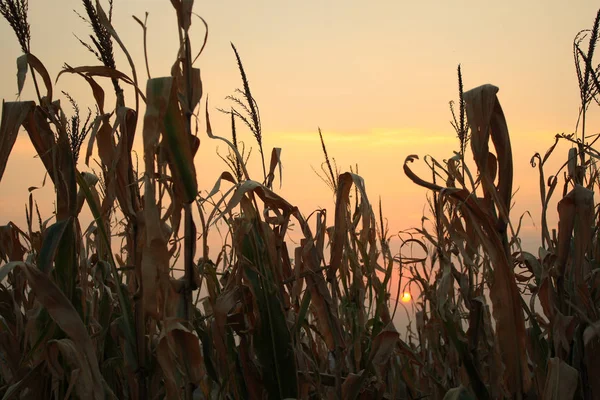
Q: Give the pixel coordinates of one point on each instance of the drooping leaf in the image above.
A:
(179, 145)
(31, 60)
(13, 116)
(561, 381)
(50, 245)
(64, 314)
(100, 70)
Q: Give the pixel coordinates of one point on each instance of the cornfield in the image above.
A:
(135, 306)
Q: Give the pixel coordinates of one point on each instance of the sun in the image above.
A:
(406, 297)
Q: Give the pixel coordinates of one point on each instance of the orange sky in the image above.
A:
(376, 77)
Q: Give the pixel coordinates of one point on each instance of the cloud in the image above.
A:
(376, 138)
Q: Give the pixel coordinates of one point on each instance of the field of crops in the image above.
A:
(135, 306)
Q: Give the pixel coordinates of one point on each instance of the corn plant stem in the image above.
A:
(265, 282)
(580, 176)
(145, 41)
(189, 228)
(106, 239)
(189, 239)
(140, 318)
(35, 84)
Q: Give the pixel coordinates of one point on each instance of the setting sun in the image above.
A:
(406, 297)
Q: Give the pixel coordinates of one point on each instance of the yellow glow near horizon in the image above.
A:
(406, 297)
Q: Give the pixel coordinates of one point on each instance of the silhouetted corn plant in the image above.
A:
(265, 317)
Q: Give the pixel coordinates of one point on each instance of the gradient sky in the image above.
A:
(376, 77)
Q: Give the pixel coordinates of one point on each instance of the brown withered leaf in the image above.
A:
(155, 259)
(486, 119)
(275, 161)
(178, 350)
(126, 184)
(510, 322)
(31, 60)
(321, 299)
(83, 385)
(561, 381)
(563, 329)
(11, 248)
(254, 384)
(13, 116)
(383, 346)
(576, 212)
(168, 366)
(224, 303)
(43, 140)
(591, 343)
(345, 182)
(184, 13)
(100, 70)
(154, 267)
(66, 317)
(97, 91)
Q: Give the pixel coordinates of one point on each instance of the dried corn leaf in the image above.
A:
(591, 343)
(563, 329)
(43, 140)
(67, 318)
(224, 303)
(184, 12)
(231, 146)
(342, 204)
(106, 22)
(275, 161)
(99, 70)
(504, 293)
(486, 119)
(11, 248)
(576, 213)
(324, 306)
(155, 258)
(83, 384)
(29, 59)
(97, 91)
(126, 184)
(177, 138)
(561, 381)
(13, 116)
(271, 337)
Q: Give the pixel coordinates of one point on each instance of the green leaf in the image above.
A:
(272, 338)
(50, 246)
(163, 103)
(302, 313)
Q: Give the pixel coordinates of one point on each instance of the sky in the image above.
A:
(376, 77)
